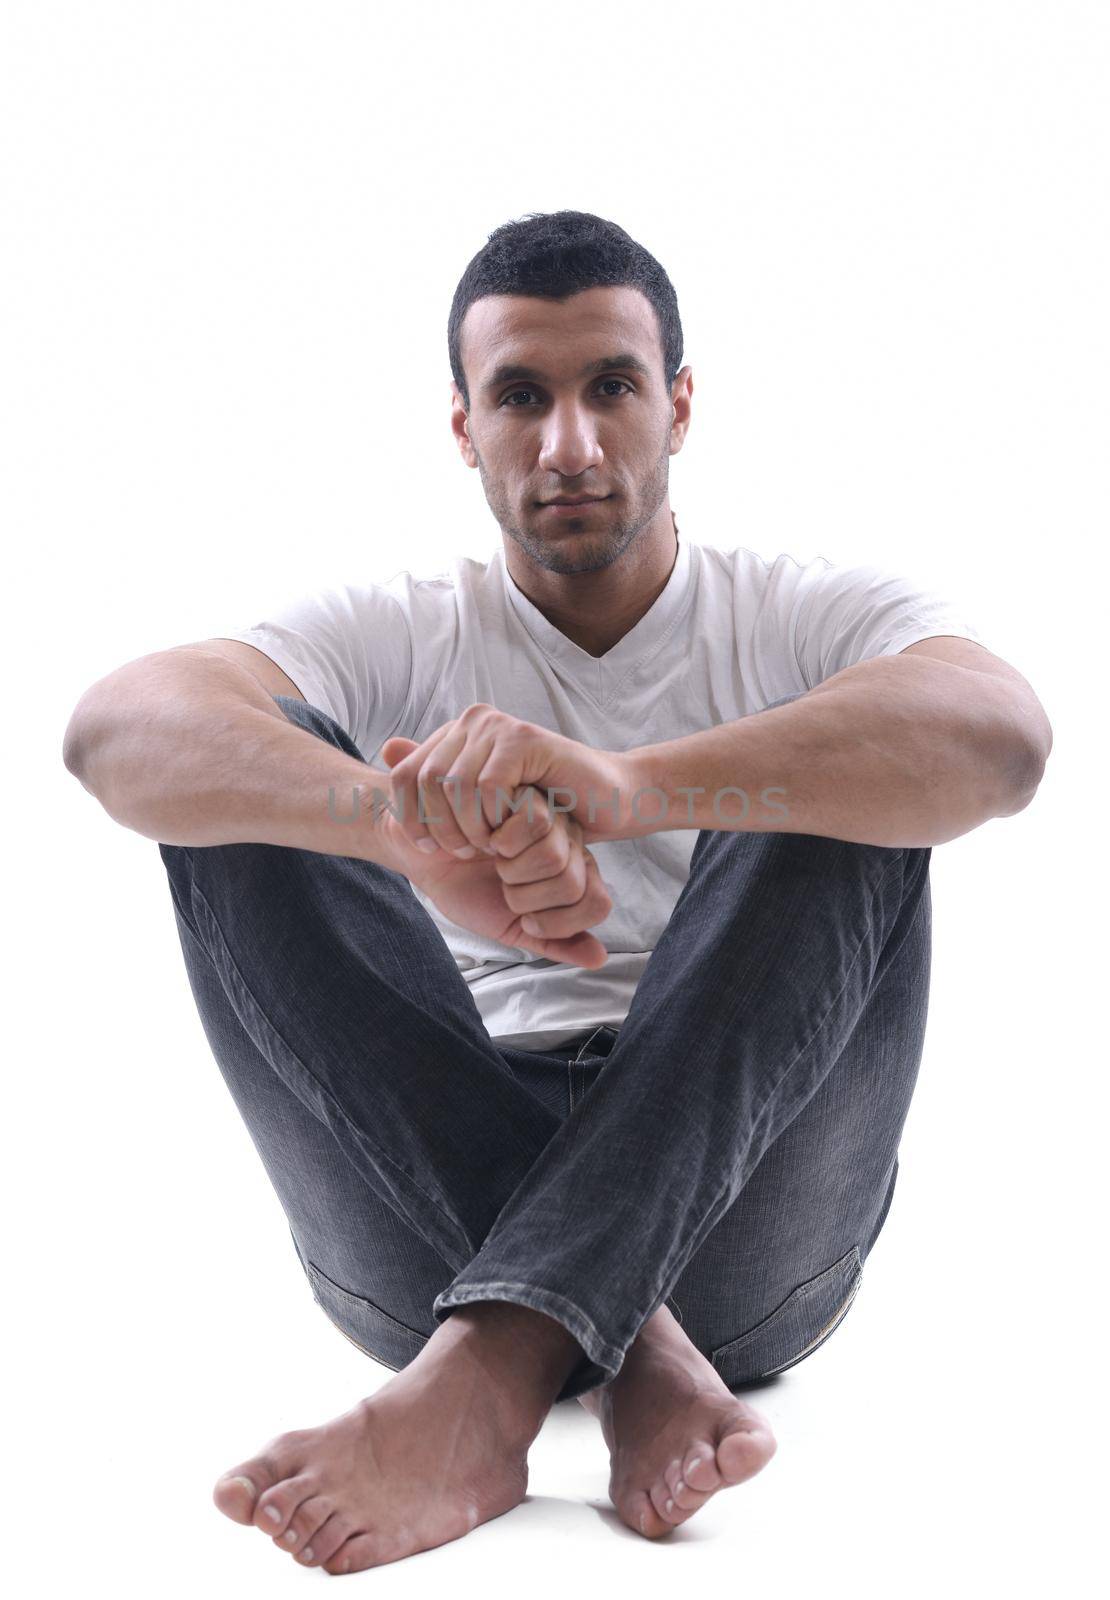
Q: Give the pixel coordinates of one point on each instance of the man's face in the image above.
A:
(568, 398)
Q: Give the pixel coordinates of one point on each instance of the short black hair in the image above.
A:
(554, 255)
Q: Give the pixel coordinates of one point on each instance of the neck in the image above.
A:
(596, 609)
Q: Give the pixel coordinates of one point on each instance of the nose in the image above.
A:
(570, 443)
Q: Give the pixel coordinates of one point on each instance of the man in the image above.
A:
(522, 1160)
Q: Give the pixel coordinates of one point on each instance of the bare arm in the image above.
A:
(187, 746)
(906, 751)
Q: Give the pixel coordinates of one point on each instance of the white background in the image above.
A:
(231, 236)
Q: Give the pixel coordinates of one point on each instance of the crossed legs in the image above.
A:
(402, 1142)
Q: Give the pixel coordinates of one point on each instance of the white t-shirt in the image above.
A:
(729, 634)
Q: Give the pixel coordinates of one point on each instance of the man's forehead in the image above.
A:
(550, 334)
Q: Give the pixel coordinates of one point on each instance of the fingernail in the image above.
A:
(529, 924)
(427, 845)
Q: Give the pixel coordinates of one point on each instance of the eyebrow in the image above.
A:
(624, 358)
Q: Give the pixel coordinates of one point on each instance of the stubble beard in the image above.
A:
(586, 552)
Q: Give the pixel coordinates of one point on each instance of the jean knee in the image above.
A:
(796, 1328)
(376, 1331)
(313, 720)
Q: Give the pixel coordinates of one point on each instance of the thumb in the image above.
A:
(578, 949)
(397, 748)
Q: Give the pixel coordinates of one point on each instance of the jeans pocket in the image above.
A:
(376, 1333)
(804, 1321)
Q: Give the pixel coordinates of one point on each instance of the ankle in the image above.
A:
(531, 1340)
(527, 1354)
(662, 1341)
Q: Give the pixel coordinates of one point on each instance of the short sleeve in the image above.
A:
(842, 615)
(349, 650)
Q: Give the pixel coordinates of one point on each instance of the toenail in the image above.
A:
(679, 1486)
(306, 1553)
(273, 1513)
(246, 1483)
(695, 1461)
(290, 1536)
(669, 1506)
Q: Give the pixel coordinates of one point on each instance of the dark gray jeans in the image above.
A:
(730, 1151)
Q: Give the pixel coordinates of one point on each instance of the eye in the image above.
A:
(514, 392)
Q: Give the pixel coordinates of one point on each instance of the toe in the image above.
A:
(237, 1492)
(677, 1492)
(684, 1497)
(664, 1502)
(303, 1524)
(700, 1469)
(355, 1555)
(639, 1513)
(326, 1540)
(277, 1506)
(743, 1449)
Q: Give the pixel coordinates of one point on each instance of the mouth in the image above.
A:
(572, 508)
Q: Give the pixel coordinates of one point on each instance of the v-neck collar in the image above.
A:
(601, 676)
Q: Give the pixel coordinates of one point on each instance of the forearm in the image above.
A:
(897, 751)
(190, 749)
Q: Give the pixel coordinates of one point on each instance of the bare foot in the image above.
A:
(438, 1450)
(676, 1433)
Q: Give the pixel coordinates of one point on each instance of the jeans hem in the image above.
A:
(602, 1360)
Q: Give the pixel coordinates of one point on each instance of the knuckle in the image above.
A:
(533, 824)
(574, 881)
(542, 821)
(495, 793)
(547, 861)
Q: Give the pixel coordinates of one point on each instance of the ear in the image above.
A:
(460, 419)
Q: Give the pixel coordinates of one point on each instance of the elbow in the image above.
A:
(73, 746)
(79, 738)
(1026, 743)
(1021, 777)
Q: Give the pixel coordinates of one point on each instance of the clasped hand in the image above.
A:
(481, 792)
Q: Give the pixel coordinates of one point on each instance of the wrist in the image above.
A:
(637, 808)
(381, 839)
(648, 806)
